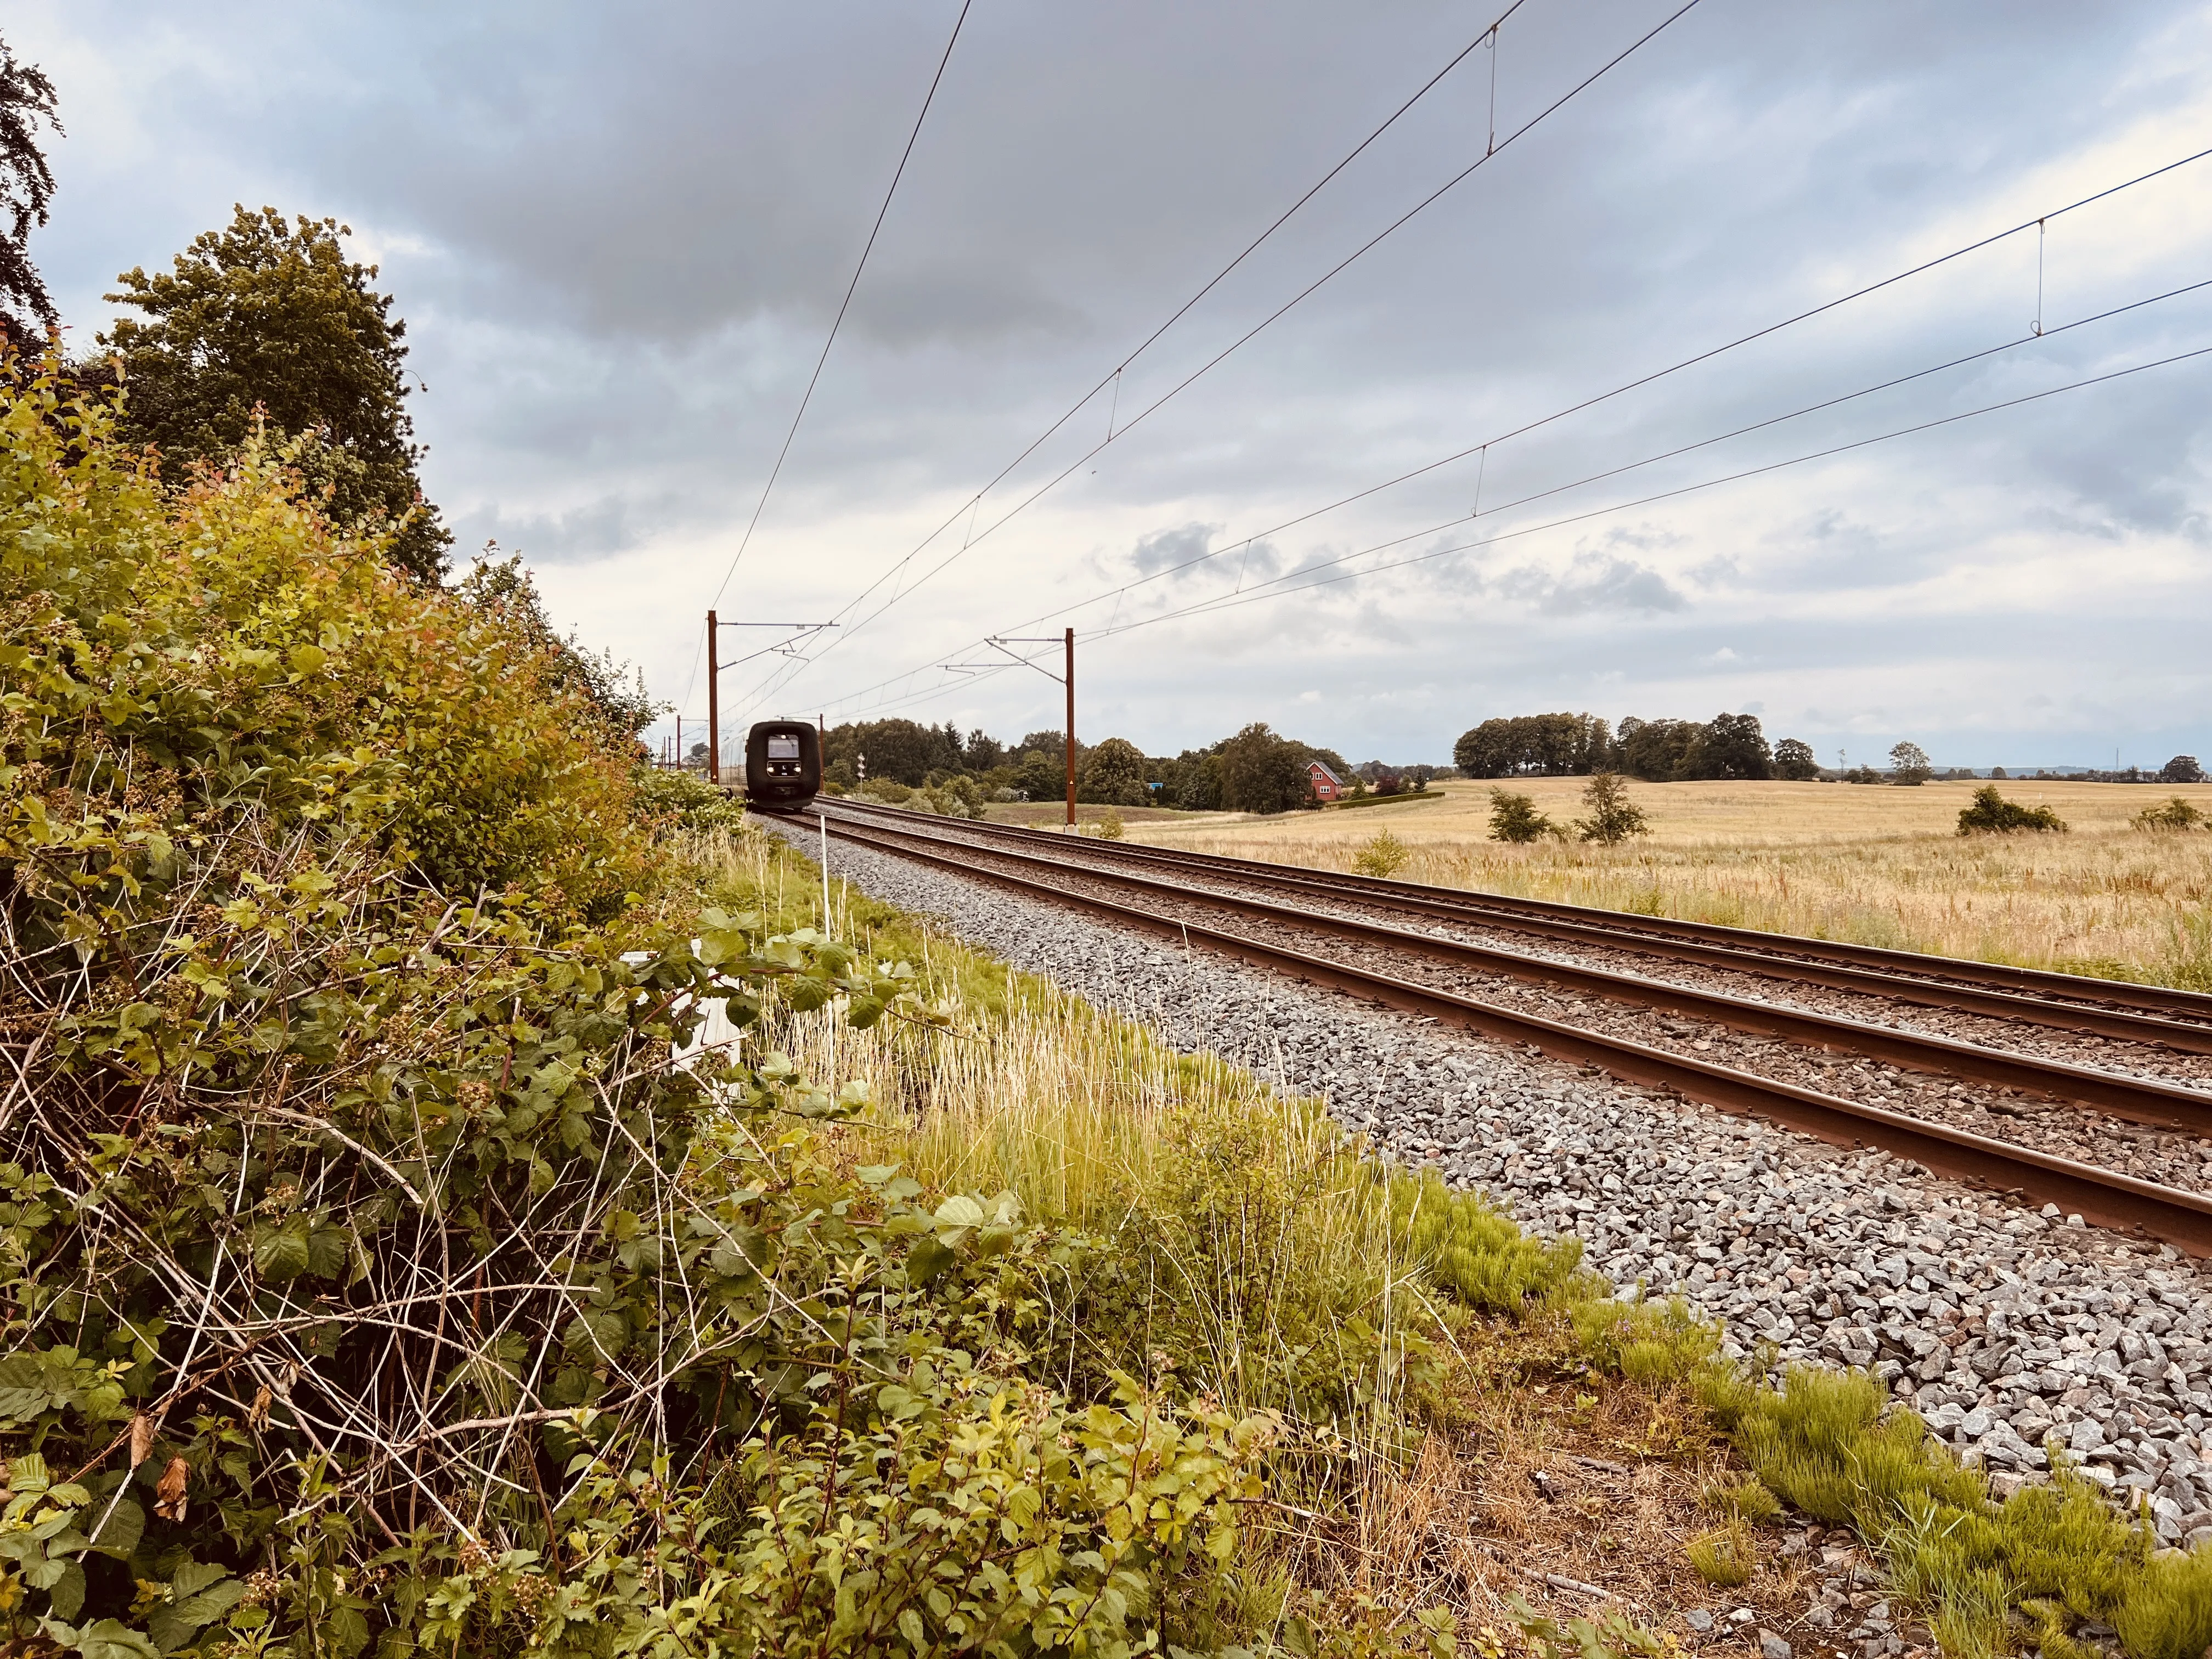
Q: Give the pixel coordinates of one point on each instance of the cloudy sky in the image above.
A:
(620, 235)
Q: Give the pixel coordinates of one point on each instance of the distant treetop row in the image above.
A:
(1672, 751)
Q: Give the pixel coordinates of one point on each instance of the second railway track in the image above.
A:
(1369, 958)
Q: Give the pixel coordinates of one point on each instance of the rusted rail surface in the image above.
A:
(2104, 1197)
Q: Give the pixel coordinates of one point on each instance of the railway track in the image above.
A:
(1266, 915)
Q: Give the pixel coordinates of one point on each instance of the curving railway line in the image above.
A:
(1716, 1014)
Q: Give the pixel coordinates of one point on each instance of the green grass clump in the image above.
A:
(2167, 1613)
(1654, 1344)
(1747, 1500)
(1725, 1556)
(1476, 1253)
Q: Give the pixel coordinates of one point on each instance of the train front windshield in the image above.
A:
(782, 745)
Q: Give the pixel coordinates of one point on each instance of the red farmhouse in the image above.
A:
(1326, 786)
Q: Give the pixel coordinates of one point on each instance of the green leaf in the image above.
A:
(957, 1215)
(282, 1252)
(927, 1259)
(121, 1532)
(108, 1639)
(173, 1625)
(193, 1576)
(326, 1252)
(66, 1598)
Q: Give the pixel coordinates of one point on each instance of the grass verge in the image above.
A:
(1411, 1335)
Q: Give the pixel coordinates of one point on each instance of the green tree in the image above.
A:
(1613, 818)
(1515, 819)
(1261, 772)
(1114, 775)
(1658, 751)
(260, 318)
(1909, 763)
(1727, 746)
(1042, 777)
(1794, 759)
(1547, 745)
(26, 184)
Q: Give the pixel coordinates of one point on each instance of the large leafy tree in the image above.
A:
(1261, 772)
(1114, 775)
(1728, 746)
(26, 184)
(1794, 759)
(266, 319)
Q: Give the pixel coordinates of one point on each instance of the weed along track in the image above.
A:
(1726, 1050)
(2002, 1322)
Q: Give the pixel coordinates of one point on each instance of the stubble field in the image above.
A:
(1872, 865)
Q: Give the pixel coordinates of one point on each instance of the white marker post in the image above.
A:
(824, 817)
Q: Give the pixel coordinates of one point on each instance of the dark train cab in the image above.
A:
(783, 765)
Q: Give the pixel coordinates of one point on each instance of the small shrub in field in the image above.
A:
(1724, 1556)
(1383, 856)
(1110, 827)
(1992, 814)
(1515, 819)
(2176, 814)
(1613, 818)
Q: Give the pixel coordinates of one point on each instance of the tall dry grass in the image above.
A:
(1870, 864)
(1291, 1253)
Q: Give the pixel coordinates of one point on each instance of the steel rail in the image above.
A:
(2144, 1099)
(2043, 999)
(2104, 1197)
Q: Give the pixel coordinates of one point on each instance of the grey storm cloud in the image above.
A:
(619, 236)
(1595, 581)
(1167, 550)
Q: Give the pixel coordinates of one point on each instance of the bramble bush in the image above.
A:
(370, 1272)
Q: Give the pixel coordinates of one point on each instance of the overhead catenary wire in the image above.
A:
(1235, 600)
(1232, 601)
(1625, 387)
(1496, 149)
(1112, 376)
(838, 322)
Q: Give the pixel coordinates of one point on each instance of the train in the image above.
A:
(783, 766)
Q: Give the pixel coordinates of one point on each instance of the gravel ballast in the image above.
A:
(2001, 1327)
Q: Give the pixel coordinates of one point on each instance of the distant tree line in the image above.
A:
(1658, 750)
(1256, 770)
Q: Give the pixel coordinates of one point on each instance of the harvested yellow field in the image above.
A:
(1871, 864)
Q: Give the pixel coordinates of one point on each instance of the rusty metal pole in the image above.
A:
(714, 709)
(1070, 729)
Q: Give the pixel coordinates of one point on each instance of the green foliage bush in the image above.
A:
(2175, 814)
(1613, 817)
(1992, 814)
(368, 1273)
(1381, 855)
(1515, 819)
